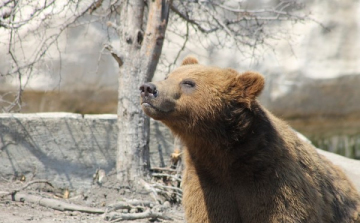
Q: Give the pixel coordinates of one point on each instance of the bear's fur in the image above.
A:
(242, 164)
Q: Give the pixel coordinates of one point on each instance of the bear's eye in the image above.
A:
(188, 83)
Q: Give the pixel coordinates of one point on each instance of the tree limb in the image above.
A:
(191, 21)
(118, 58)
(182, 47)
(54, 204)
(154, 36)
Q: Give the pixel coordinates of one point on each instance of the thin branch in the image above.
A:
(25, 70)
(163, 169)
(97, 4)
(247, 11)
(167, 187)
(254, 14)
(12, 193)
(186, 37)
(223, 25)
(166, 175)
(129, 205)
(191, 21)
(34, 14)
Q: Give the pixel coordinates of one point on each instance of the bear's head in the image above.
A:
(195, 97)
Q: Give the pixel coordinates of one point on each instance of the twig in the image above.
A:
(27, 185)
(95, 6)
(219, 21)
(166, 175)
(182, 47)
(118, 58)
(286, 15)
(129, 205)
(168, 187)
(5, 179)
(191, 21)
(151, 189)
(163, 169)
(115, 217)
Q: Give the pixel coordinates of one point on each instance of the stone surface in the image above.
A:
(306, 97)
(66, 148)
(350, 166)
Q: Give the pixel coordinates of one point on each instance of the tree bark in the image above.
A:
(141, 51)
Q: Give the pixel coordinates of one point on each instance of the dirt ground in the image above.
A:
(98, 196)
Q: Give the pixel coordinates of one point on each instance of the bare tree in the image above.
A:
(141, 27)
(19, 19)
(247, 27)
(142, 35)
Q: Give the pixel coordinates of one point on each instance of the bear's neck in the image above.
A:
(239, 127)
(235, 143)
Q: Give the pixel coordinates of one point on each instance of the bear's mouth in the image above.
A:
(149, 105)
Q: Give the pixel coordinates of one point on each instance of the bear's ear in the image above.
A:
(252, 83)
(189, 60)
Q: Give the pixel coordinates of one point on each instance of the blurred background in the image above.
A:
(57, 56)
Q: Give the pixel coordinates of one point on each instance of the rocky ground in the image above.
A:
(36, 201)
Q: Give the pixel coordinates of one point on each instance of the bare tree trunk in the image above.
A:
(141, 52)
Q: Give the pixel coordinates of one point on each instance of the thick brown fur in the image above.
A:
(242, 164)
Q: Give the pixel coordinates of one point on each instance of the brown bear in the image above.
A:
(242, 164)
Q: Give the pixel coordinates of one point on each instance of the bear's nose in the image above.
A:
(148, 89)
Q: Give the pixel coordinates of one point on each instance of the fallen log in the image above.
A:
(55, 204)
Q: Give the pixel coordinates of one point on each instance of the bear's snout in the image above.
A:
(148, 90)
